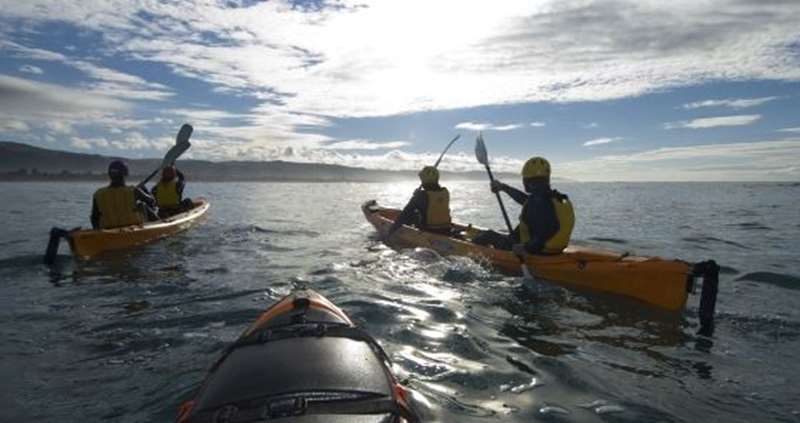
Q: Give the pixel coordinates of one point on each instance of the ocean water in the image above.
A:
(128, 337)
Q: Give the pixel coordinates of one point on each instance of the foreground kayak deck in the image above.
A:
(86, 243)
(302, 360)
(656, 281)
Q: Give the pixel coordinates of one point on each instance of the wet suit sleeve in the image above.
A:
(416, 203)
(515, 194)
(544, 223)
(95, 218)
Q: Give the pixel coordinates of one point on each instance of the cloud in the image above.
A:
(14, 125)
(734, 103)
(35, 70)
(106, 81)
(760, 160)
(88, 143)
(793, 130)
(318, 60)
(538, 124)
(36, 101)
(365, 145)
(713, 122)
(601, 141)
(474, 126)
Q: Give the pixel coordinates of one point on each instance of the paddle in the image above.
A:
(445, 150)
(181, 145)
(483, 158)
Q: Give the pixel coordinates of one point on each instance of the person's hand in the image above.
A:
(496, 186)
(519, 250)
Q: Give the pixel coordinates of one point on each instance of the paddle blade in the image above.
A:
(480, 150)
(184, 134)
(181, 145)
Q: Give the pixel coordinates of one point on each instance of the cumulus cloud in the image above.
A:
(475, 126)
(713, 122)
(733, 103)
(601, 141)
(35, 70)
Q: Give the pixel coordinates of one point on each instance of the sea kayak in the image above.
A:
(87, 243)
(302, 360)
(656, 281)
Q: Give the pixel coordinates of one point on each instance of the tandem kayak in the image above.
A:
(87, 243)
(302, 360)
(655, 281)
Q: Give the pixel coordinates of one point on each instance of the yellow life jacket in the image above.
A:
(566, 222)
(167, 196)
(438, 214)
(117, 206)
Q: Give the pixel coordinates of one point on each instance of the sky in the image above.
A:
(606, 90)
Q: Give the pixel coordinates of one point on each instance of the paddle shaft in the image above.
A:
(500, 200)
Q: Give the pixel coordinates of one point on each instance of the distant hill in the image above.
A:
(23, 162)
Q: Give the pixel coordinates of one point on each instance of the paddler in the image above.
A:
(547, 217)
(429, 207)
(117, 204)
(168, 193)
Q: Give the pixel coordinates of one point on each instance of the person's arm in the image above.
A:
(515, 194)
(95, 217)
(181, 183)
(543, 223)
(143, 196)
(407, 215)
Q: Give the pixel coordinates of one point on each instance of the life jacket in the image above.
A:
(117, 206)
(565, 215)
(167, 195)
(437, 216)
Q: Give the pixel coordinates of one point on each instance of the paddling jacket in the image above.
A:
(546, 220)
(114, 206)
(428, 208)
(168, 194)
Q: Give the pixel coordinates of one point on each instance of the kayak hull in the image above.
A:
(656, 281)
(87, 243)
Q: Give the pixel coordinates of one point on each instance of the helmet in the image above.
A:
(536, 167)
(168, 173)
(117, 169)
(429, 175)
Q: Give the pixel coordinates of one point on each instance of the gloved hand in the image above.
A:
(496, 186)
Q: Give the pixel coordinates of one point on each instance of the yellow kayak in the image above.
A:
(87, 243)
(656, 281)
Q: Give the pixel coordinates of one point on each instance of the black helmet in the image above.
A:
(117, 169)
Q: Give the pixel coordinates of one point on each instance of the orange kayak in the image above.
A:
(653, 280)
(87, 243)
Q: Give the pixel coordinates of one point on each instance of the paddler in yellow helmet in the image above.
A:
(429, 207)
(168, 193)
(117, 204)
(547, 217)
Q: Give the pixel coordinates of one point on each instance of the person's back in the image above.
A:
(169, 193)
(429, 207)
(114, 206)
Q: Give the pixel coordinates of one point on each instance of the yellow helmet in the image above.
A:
(536, 167)
(429, 175)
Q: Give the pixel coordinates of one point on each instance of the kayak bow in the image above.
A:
(302, 360)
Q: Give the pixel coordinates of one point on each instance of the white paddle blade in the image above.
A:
(480, 150)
